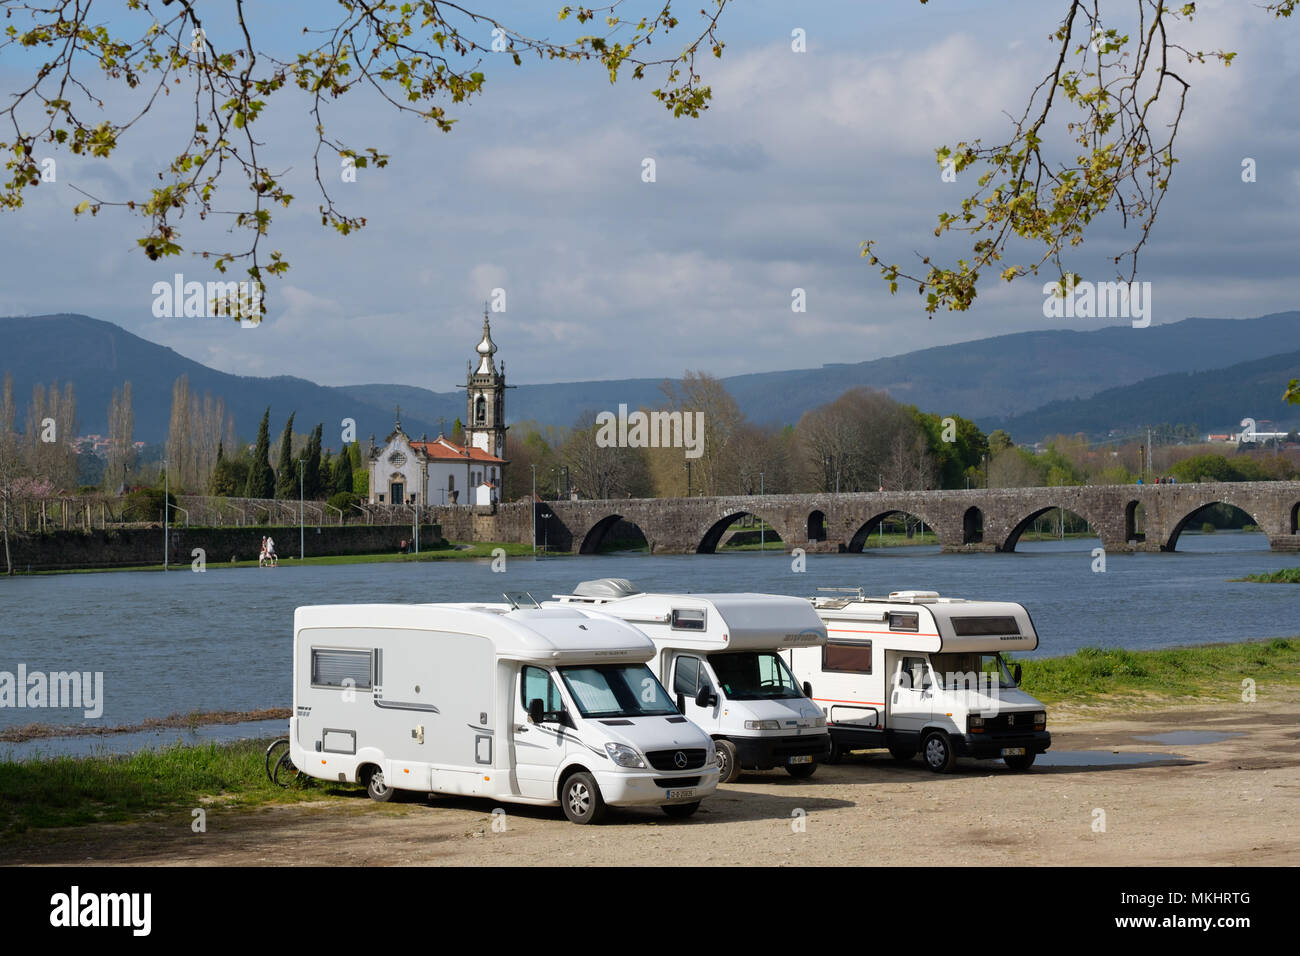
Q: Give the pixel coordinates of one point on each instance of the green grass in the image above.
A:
(1208, 671)
(73, 791)
(446, 551)
(1284, 576)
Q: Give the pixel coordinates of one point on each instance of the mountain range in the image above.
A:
(1209, 371)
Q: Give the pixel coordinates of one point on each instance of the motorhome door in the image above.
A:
(539, 746)
(911, 692)
(689, 675)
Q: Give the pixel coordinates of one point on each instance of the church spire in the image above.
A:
(486, 348)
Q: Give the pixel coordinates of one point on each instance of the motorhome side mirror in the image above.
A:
(807, 689)
(704, 697)
(536, 710)
(1015, 673)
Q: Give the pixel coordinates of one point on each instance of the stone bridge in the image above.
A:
(1125, 517)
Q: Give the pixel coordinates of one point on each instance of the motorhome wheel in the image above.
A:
(581, 799)
(938, 752)
(836, 755)
(681, 809)
(1021, 762)
(801, 770)
(728, 765)
(377, 788)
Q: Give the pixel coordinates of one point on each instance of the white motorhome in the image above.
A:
(539, 706)
(916, 671)
(719, 655)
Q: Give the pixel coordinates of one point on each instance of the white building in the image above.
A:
(440, 472)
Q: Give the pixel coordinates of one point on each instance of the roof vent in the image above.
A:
(606, 588)
(914, 597)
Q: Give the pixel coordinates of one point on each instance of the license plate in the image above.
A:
(806, 758)
(680, 794)
(1013, 751)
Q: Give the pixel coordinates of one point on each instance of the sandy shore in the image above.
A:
(1234, 801)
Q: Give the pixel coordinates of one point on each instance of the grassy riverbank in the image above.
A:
(451, 550)
(1095, 675)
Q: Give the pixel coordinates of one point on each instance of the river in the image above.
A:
(221, 639)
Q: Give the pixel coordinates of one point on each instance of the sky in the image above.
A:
(539, 191)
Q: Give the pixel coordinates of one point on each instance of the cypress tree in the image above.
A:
(311, 468)
(342, 472)
(286, 472)
(261, 480)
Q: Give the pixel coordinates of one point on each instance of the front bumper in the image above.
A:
(764, 753)
(990, 746)
(642, 788)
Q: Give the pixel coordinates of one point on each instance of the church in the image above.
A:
(441, 472)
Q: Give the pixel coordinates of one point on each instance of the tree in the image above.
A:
(121, 440)
(416, 56)
(286, 473)
(1128, 102)
(261, 480)
(10, 464)
(846, 444)
(342, 478)
(311, 486)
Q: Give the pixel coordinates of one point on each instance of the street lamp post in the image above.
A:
(688, 477)
(302, 538)
(167, 497)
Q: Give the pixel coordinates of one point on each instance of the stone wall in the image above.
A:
(131, 547)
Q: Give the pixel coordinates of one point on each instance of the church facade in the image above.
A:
(439, 471)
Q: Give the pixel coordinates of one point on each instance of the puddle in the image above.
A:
(1101, 758)
(1187, 738)
(81, 746)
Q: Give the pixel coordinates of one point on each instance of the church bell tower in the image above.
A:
(485, 391)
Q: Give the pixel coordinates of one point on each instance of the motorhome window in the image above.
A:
(340, 668)
(757, 675)
(687, 678)
(536, 684)
(913, 674)
(984, 626)
(972, 671)
(688, 618)
(848, 658)
(617, 690)
(899, 621)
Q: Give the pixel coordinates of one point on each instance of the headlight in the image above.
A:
(1041, 718)
(975, 722)
(762, 725)
(624, 756)
(819, 720)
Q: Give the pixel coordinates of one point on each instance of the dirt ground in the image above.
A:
(1214, 804)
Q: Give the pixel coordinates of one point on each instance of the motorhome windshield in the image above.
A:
(755, 675)
(617, 690)
(972, 671)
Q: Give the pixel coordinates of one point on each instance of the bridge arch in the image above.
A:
(817, 525)
(602, 529)
(972, 526)
(867, 528)
(1295, 518)
(1013, 537)
(1171, 542)
(708, 544)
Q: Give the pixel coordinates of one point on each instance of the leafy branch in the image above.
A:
(418, 56)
